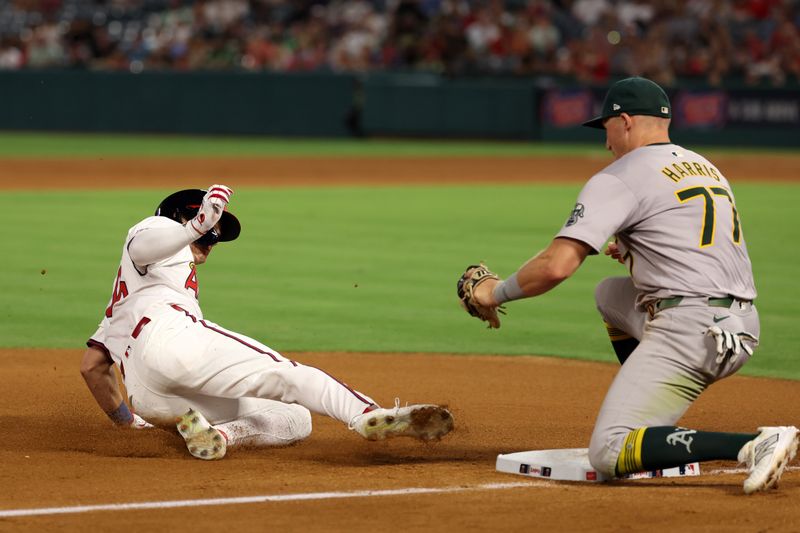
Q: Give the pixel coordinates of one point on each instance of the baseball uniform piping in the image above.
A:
(102, 347)
(346, 386)
(237, 339)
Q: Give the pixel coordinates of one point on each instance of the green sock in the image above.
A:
(654, 448)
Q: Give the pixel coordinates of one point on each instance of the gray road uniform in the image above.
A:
(674, 218)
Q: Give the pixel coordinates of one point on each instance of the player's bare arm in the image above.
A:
(98, 373)
(542, 272)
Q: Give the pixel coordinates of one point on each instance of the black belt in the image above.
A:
(666, 303)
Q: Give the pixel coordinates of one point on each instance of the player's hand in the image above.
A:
(140, 423)
(214, 203)
(483, 294)
(475, 294)
(613, 251)
(730, 344)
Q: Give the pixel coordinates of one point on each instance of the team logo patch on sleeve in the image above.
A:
(576, 214)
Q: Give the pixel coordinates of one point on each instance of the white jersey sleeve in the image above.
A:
(155, 243)
(604, 205)
(172, 280)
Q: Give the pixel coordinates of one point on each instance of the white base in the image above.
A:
(572, 464)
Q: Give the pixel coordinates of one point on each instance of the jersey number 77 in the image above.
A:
(709, 212)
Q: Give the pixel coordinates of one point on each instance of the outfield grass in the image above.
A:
(15, 144)
(363, 269)
(51, 145)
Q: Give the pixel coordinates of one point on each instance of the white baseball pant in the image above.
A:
(176, 361)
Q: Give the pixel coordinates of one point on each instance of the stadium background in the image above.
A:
(328, 120)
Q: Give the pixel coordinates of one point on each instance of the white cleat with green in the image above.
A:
(424, 422)
(767, 455)
(202, 440)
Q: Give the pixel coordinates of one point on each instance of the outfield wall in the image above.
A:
(378, 104)
(306, 104)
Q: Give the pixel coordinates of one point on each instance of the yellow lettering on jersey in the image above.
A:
(682, 172)
(699, 168)
(689, 168)
(670, 174)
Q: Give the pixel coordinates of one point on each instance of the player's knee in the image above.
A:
(604, 450)
(603, 294)
(298, 422)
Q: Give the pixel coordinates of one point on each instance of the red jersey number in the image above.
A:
(191, 281)
(120, 292)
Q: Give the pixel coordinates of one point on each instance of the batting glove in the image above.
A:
(214, 203)
(140, 423)
(731, 344)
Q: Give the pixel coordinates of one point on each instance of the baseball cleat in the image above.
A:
(424, 422)
(202, 439)
(767, 455)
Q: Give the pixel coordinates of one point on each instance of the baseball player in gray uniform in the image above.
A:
(684, 317)
(222, 388)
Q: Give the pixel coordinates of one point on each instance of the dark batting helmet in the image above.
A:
(183, 205)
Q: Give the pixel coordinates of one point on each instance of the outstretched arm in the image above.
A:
(156, 244)
(98, 373)
(538, 275)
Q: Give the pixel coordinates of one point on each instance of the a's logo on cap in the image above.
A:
(616, 107)
(665, 110)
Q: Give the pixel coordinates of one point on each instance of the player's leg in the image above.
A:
(237, 366)
(211, 425)
(615, 299)
(206, 359)
(635, 429)
(266, 423)
(318, 391)
(208, 424)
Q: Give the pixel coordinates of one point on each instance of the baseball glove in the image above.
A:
(469, 280)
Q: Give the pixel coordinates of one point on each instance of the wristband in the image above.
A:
(508, 290)
(121, 415)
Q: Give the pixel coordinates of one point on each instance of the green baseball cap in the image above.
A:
(634, 96)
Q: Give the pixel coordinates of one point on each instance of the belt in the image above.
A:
(666, 303)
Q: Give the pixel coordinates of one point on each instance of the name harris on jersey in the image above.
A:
(677, 171)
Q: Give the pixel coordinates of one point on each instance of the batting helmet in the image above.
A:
(183, 205)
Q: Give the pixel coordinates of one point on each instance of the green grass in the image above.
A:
(51, 145)
(363, 269)
(16, 144)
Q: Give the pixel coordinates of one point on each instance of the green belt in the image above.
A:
(666, 303)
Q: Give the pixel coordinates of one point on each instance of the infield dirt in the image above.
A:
(58, 449)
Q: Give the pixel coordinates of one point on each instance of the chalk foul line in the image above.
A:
(726, 471)
(9, 513)
(307, 496)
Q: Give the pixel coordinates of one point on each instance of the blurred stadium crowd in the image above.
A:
(590, 40)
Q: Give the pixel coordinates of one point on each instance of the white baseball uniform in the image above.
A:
(172, 359)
